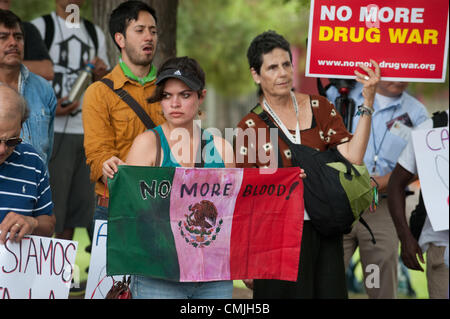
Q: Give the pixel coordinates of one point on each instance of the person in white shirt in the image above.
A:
(73, 44)
(434, 243)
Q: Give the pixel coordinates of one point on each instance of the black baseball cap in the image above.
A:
(188, 78)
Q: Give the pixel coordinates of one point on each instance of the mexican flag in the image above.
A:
(197, 224)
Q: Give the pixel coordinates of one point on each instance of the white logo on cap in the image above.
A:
(177, 72)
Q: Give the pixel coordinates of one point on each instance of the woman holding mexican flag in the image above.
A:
(178, 143)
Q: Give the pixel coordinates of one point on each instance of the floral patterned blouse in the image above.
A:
(255, 149)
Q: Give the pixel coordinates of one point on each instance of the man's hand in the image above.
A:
(100, 68)
(18, 226)
(248, 283)
(60, 111)
(110, 168)
(382, 182)
(410, 249)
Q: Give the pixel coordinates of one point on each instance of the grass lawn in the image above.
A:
(418, 279)
(83, 258)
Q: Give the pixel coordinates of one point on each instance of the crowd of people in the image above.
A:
(56, 155)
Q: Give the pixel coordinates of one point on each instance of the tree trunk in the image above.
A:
(166, 13)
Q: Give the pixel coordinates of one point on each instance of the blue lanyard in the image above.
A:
(377, 150)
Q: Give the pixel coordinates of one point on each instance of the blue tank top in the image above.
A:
(212, 156)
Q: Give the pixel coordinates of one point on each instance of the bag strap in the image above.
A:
(345, 161)
(440, 119)
(258, 110)
(49, 30)
(200, 152)
(90, 28)
(362, 221)
(127, 98)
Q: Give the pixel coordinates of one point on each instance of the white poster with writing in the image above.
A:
(431, 151)
(98, 284)
(37, 268)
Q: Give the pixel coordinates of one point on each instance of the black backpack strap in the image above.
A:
(201, 163)
(258, 110)
(362, 221)
(440, 119)
(127, 98)
(321, 89)
(90, 28)
(49, 30)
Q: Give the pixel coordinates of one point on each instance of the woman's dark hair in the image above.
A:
(125, 13)
(187, 66)
(263, 44)
(10, 20)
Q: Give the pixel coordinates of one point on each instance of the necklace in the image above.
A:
(296, 139)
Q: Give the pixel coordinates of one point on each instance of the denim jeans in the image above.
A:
(100, 213)
(151, 288)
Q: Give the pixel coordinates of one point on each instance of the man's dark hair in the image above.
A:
(187, 66)
(10, 20)
(263, 44)
(125, 13)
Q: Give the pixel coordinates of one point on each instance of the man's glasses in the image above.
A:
(11, 142)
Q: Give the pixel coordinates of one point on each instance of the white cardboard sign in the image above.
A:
(431, 151)
(98, 284)
(37, 268)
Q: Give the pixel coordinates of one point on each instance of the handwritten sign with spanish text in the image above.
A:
(37, 268)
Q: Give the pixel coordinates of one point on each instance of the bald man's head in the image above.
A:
(12, 105)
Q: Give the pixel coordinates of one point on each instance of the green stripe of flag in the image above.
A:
(149, 226)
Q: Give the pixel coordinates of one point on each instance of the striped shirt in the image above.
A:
(24, 184)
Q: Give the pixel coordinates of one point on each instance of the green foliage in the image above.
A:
(29, 9)
(436, 91)
(218, 33)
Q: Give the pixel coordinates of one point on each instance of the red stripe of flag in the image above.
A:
(266, 244)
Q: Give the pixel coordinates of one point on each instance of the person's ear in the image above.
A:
(120, 39)
(256, 76)
(202, 96)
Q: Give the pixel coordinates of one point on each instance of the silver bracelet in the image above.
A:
(362, 109)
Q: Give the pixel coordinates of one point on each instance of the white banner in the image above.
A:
(98, 284)
(37, 268)
(431, 151)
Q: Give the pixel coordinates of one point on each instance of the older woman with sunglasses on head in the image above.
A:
(25, 196)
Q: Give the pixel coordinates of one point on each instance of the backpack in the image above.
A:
(336, 192)
(50, 32)
(419, 214)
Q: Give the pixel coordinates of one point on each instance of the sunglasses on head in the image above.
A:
(11, 142)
